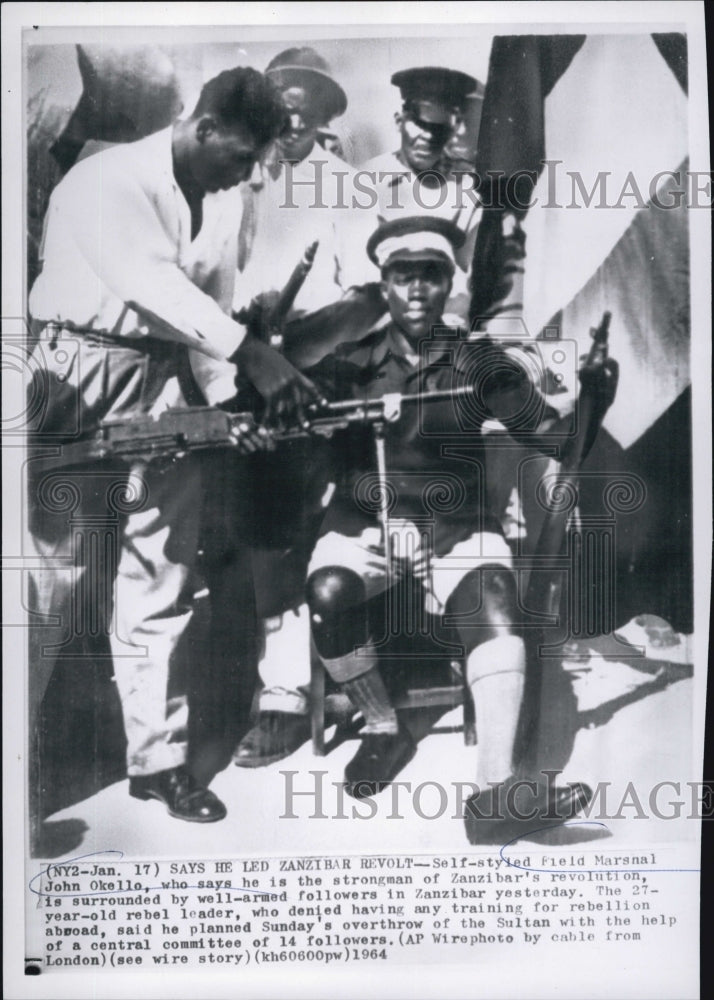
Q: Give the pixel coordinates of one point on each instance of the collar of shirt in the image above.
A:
(432, 178)
(155, 149)
(304, 168)
(383, 346)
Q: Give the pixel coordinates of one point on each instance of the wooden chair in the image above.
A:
(413, 696)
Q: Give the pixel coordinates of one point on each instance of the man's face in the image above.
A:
(224, 156)
(305, 120)
(422, 142)
(332, 144)
(461, 148)
(416, 292)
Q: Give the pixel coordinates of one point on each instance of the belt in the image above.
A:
(152, 346)
(101, 338)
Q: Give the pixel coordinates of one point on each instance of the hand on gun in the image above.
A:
(249, 437)
(601, 380)
(599, 373)
(286, 392)
(267, 314)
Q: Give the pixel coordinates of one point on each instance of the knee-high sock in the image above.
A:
(496, 673)
(285, 666)
(361, 680)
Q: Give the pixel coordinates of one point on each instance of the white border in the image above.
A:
(543, 16)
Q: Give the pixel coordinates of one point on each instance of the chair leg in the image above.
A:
(317, 705)
(469, 713)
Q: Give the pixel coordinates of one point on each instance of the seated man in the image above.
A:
(458, 550)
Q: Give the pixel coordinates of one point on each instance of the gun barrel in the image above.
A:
(371, 405)
(295, 282)
(598, 348)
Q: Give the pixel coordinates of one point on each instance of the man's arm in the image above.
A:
(328, 376)
(312, 336)
(526, 413)
(121, 235)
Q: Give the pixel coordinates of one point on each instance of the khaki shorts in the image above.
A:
(365, 555)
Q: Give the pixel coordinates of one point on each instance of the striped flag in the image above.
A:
(582, 160)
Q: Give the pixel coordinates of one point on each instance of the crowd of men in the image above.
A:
(163, 261)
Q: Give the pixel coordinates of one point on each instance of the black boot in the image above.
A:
(274, 736)
(517, 809)
(182, 795)
(382, 754)
(378, 761)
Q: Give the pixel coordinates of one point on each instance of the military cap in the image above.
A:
(303, 67)
(433, 93)
(417, 237)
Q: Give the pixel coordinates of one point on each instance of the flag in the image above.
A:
(582, 166)
(511, 150)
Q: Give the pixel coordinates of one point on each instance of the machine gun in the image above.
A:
(178, 431)
(173, 434)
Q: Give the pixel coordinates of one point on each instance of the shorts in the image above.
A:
(365, 555)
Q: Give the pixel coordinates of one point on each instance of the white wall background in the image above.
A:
(363, 66)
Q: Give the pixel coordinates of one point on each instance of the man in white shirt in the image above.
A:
(306, 196)
(303, 195)
(127, 285)
(418, 178)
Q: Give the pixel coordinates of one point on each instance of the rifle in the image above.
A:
(543, 725)
(553, 531)
(270, 326)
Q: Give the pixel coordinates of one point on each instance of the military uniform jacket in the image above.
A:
(435, 451)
